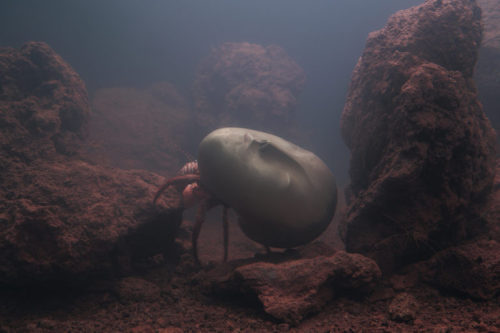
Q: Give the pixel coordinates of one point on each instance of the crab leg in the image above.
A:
(179, 181)
(200, 218)
(225, 226)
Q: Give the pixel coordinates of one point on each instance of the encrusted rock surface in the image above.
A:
(492, 210)
(63, 219)
(292, 290)
(422, 150)
(403, 308)
(487, 73)
(248, 85)
(472, 269)
(149, 129)
(43, 104)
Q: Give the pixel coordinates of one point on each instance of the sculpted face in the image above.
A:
(284, 195)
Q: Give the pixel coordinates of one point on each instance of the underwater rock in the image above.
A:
(492, 211)
(403, 308)
(487, 73)
(292, 290)
(248, 85)
(43, 103)
(472, 269)
(64, 220)
(67, 221)
(422, 150)
(149, 129)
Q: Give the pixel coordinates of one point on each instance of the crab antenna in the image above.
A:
(179, 181)
(176, 147)
(225, 227)
(200, 218)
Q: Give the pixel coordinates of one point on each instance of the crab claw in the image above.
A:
(189, 195)
(179, 182)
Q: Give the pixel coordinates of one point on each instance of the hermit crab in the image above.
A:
(284, 196)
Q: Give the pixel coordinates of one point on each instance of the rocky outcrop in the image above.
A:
(422, 150)
(488, 67)
(292, 290)
(492, 210)
(64, 220)
(67, 220)
(149, 129)
(248, 85)
(43, 104)
(472, 269)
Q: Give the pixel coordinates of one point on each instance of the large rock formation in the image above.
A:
(492, 210)
(488, 67)
(248, 85)
(473, 268)
(63, 219)
(149, 129)
(422, 150)
(43, 102)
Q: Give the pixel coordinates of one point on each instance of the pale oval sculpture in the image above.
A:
(285, 196)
